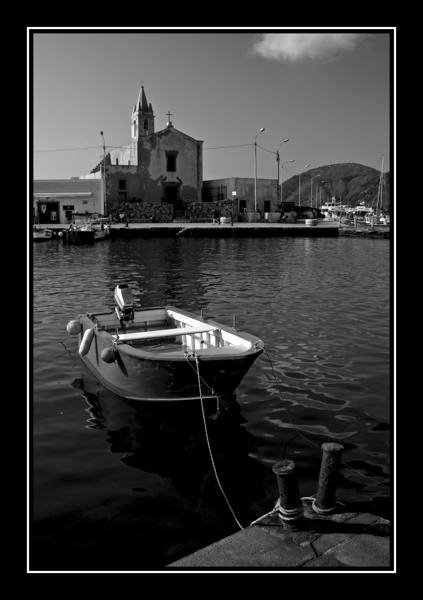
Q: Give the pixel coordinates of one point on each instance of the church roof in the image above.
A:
(142, 104)
(163, 131)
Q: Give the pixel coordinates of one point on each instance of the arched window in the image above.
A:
(145, 124)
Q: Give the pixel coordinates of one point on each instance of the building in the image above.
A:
(58, 201)
(241, 191)
(157, 177)
(154, 168)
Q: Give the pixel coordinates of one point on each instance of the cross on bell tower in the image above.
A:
(169, 122)
(142, 119)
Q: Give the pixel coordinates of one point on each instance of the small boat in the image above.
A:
(39, 234)
(78, 235)
(162, 353)
(84, 233)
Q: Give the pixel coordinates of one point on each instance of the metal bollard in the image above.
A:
(289, 503)
(325, 501)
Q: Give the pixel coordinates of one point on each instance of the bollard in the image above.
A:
(325, 501)
(289, 502)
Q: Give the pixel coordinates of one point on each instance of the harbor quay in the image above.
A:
(345, 540)
(223, 230)
(215, 230)
(310, 532)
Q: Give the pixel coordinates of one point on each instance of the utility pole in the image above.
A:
(103, 178)
(255, 168)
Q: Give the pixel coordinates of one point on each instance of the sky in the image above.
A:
(327, 91)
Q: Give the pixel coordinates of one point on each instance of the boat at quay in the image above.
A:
(40, 234)
(82, 233)
(162, 353)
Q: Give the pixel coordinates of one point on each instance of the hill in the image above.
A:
(350, 183)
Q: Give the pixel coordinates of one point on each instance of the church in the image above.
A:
(158, 171)
(157, 177)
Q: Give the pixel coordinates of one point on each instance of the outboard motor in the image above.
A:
(124, 303)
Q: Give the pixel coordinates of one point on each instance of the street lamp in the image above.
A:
(284, 163)
(278, 160)
(103, 177)
(320, 192)
(255, 167)
(299, 184)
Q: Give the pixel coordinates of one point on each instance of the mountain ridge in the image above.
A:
(349, 183)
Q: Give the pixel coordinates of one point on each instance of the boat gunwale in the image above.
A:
(257, 345)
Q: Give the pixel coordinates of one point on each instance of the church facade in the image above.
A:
(154, 168)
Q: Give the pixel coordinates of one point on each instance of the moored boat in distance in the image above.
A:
(162, 353)
(40, 234)
(333, 210)
(85, 232)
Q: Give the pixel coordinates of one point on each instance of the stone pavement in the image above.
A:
(343, 541)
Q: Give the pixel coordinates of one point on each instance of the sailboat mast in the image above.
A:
(379, 191)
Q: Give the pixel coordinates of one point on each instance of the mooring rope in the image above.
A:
(68, 352)
(195, 356)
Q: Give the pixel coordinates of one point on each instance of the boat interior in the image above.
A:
(167, 330)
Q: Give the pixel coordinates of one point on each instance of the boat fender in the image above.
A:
(86, 341)
(109, 354)
(74, 327)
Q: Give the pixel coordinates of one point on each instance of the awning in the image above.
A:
(62, 194)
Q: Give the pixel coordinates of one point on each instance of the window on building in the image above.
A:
(267, 206)
(145, 125)
(135, 128)
(243, 206)
(171, 161)
(117, 161)
(122, 184)
(85, 202)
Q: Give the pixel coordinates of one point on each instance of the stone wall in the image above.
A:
(205, 210)
(162, 212)
(143, 212)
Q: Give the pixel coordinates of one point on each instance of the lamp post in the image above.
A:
(255, 167)
(320, 192)
(103, 177)
(278, 158)
(284, 163)
(299, 184)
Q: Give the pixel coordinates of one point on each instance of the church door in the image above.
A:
(171, 195)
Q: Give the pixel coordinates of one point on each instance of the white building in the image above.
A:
(59, 200)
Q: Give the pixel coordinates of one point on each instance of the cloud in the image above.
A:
(300, 46)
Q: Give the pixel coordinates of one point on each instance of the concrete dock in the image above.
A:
(342, 541)
(322, 229)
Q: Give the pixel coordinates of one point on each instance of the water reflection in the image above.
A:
(168, 439)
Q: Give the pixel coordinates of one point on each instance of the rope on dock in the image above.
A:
(194, 355)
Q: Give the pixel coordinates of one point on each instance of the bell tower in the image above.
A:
(142, 118)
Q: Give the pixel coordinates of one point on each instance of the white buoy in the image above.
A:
(86, 341)
(74, 327)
